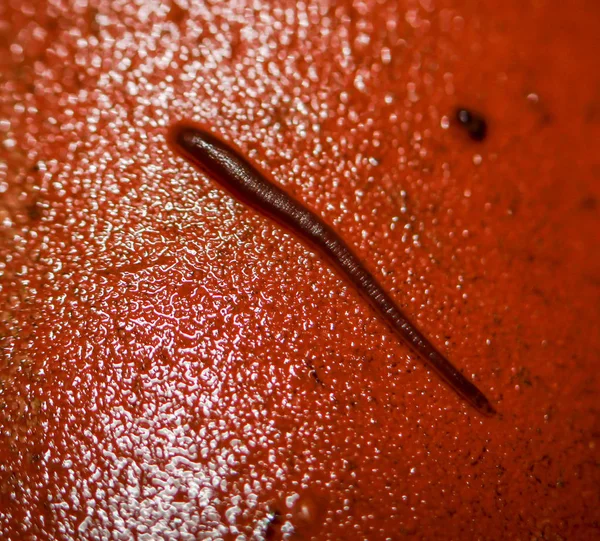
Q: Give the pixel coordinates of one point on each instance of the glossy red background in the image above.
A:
(175, 366)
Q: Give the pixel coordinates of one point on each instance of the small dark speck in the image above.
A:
(274, 521)
(589, 203)
(312, 371)
(316, 377)
(34, 211)
(474, 123)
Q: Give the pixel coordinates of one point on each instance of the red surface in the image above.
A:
(175, 366)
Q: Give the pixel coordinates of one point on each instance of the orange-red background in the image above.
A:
(173, 364)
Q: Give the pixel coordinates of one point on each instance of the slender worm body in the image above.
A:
(238, 176)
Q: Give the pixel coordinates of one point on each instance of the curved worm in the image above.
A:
(239, 177)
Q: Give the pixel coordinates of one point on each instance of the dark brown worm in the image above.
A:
(238, 176)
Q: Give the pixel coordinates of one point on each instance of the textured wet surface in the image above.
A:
(175, 366)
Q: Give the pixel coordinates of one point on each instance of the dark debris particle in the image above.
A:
(474, 123)
(34, 211)
(273, 525)
(589, 203)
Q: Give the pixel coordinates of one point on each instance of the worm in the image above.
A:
(224, 164)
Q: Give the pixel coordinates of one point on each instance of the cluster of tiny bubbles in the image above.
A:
(151, 412)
